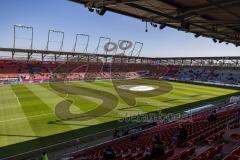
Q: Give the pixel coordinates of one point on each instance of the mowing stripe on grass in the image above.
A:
(12, 131)
(204, 89)
(190, 87)
(99, 86)
(82, 103)
(109, 89)
(132, 110)
(105, 83)
(48, 97)
(114, 113)
(33, 106)
(201, 91)
(51, 99)
(86, 104)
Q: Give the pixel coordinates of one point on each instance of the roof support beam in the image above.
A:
(107, 3)
(181, 17)
(221, 22)
(104, 3)
(206, 8)
(196, 11)
(179, 20)
(224, 9)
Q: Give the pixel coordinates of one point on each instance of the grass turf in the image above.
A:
(28, 111)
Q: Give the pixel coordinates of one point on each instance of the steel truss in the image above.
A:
(97, 58)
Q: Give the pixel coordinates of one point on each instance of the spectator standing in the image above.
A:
(183, 134)
(147, 155)
(158, 147)
(109, 154)
(115, 133)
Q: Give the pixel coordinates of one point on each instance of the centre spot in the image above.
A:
(137, 88)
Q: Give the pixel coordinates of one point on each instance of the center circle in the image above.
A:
(137, 88)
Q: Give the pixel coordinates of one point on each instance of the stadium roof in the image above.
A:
(217, 19)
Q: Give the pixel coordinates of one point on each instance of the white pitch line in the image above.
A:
(14, 119)
(17, 99)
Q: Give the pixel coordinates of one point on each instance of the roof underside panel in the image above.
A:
(218, 19)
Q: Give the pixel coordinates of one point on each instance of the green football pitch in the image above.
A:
(28, 111)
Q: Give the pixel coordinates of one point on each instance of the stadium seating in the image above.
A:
(205, 74)
(234, 155)
(199, 129)
(36, 71)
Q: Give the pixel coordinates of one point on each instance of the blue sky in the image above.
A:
(73, 18)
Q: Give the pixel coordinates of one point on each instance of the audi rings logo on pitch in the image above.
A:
(122, 44)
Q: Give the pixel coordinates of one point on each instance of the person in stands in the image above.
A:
(109, 154)
(134, 135)
(84, 157)
(213, 116)
(174, 142)
(158, 149)
(182, 134)
(125, 131)
(115, 133)
(147, 155)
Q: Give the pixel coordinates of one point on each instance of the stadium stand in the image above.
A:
(204, 140)
(234, 155)
(217, 75)
(30, 71)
